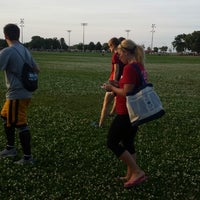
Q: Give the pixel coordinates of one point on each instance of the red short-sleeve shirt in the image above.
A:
(129, 76)
(116, 60)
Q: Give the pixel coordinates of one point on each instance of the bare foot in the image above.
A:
(135, 182)
(135, 179)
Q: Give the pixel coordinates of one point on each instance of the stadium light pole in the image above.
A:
(153, 26)
(22, 26)
(127, 33)
(84, 24)
(69, 31)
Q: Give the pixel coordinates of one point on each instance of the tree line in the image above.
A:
(182, 43)
(50, 44)
(187, 42)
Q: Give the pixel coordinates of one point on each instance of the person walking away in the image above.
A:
(122, 134)
(116, 72)
(14, 110)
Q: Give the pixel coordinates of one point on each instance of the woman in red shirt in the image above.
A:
(116, 72)
(121, 133)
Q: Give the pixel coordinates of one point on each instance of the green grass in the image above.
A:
(73, 161)
(172, 59)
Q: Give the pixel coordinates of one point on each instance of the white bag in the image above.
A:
(143, 105)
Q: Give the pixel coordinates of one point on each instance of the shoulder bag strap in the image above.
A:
(19, 54)
(143, 82)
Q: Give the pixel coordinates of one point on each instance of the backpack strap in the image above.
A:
(19, 77)
(19, 54)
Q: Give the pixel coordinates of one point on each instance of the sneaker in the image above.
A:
(95, 124)
(8, 153)
(24, 161)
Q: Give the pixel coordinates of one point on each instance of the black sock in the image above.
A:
(25, 139)
(10, 135)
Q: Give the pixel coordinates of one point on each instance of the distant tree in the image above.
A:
(37, 42)
(63, 44)
(105, 46)
(91, 46)
(56, 44)
(48, 43)
(148, 49)
(185, 42)
(98, 46)
(189, 41)
(163, 48)
(195, 38)
(79, 46)
(155, 49)
(180, 43)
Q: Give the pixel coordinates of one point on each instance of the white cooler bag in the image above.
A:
(144, 106)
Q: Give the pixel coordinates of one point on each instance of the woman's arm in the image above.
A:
(116, 71)
(119, 91)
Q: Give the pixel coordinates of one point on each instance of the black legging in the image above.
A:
(121, 135)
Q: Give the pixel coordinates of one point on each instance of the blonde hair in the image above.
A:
(133, 49)
(140, 54)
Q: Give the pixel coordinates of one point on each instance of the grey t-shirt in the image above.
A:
(11, 63)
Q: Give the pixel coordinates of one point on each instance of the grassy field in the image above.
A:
(73, 162)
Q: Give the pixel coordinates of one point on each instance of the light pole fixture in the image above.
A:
(84, 24)
(127, 33)
(153, 26)
(69, 31)
(21, 24)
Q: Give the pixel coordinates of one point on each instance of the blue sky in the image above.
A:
(105, 18)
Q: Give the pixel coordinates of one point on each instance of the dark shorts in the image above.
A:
(121, 135)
